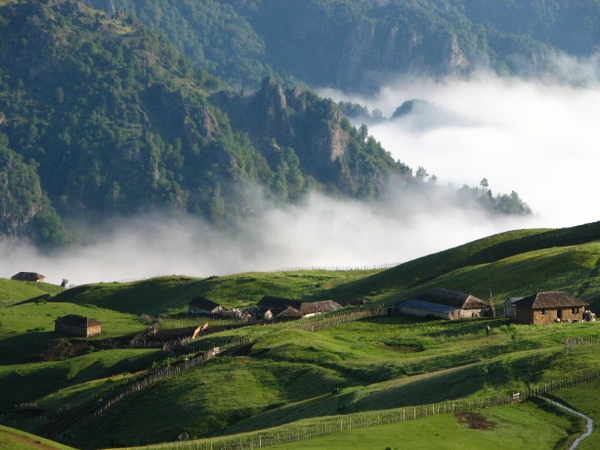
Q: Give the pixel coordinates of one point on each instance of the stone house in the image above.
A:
(76, 325)
(548, 307)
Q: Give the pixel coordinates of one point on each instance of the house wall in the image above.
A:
(468, 313)
(509, 309)
(78, 331)
(424, 312)
(196, 310)
(94, 330)
(537, 316)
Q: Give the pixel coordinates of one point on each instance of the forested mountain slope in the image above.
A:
(101, 116)
(357, 45)
(107, 118)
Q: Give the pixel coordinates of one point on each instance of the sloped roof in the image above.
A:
(270, 302)
(550, 300)
(28, 276)
(319, 307)
(203, 303)
(427, 306)
(451, 298)
(289, 312)
(75, 320)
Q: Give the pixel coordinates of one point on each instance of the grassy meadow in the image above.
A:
(351, 383)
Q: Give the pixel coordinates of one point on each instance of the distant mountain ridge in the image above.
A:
(356, 45)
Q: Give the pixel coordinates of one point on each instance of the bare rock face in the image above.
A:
(453, 57)
(331, 143)
(271, 112)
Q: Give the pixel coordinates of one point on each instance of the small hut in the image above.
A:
(29, 276)
(76, 325)
(203, 306)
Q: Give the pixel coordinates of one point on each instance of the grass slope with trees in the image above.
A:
(319, 382)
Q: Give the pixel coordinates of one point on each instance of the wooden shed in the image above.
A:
(548, 307)
(76, 325)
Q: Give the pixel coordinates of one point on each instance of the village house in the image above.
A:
(309, 309)
(76, 325)
(279, 308)
(548, 307)
(29, 276)
(444, 304)
(290, 313)
(203, 306)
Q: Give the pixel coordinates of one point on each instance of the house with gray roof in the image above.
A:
(444, 304)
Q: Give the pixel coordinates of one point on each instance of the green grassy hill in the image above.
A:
(15, 291)
(348, 369)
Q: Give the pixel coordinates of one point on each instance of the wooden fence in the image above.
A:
(338, 424)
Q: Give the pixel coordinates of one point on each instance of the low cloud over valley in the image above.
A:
(538, 138)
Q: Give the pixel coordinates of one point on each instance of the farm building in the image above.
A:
(309, 309)
(547, 307)
(278, 308)
(29, 276)
(509, 306)
(76, 325)
(204, 306)
(290, 313)
(445, 304)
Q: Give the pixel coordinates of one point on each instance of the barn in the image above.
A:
(548, 307)
(76, 325)
(444, 304)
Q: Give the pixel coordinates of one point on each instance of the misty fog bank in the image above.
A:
(537, 138)
(321, 232)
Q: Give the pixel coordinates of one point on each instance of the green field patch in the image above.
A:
(32, 381)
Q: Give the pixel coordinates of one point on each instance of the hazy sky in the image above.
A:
(540, 139)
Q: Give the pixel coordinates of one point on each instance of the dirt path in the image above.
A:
(589, 423)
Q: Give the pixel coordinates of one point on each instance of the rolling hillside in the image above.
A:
(301, 380)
